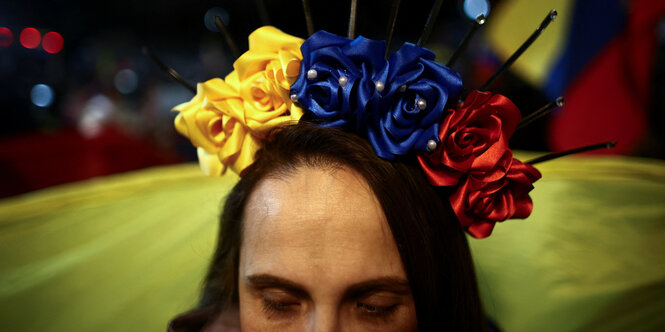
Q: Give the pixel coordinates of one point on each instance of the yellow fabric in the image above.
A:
(128, 252)
(515, 20)
(119, 253)
(591, 255)
(228, 118)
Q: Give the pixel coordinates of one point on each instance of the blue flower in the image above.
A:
(337, 78)
(397, 104)
(417, 90)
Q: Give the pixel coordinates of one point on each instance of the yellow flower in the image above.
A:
(227, 119)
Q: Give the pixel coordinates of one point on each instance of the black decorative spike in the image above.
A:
(308, 17)
(431, 18)
(549, 18)
(540, 113)
(352, 19)
(227, 36)
(263, 13)
(168, 70)
(391, 25)
(606, 145)
(480, 20)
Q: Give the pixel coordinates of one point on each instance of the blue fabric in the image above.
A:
(595, 23)
(389, 119)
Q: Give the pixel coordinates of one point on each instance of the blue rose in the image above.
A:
(408, 115)
(337, 80)
(397, 104)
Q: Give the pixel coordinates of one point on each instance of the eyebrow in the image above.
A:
(267, 280)
(395, 285)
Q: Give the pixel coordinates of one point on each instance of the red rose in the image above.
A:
(500, 194)
(474, 136)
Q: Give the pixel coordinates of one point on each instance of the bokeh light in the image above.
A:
(52, 42)
(41, 95)
(96, 111)
(30, 37)
(126, 81)
(6, 37)
(209, 18)
(474, 8)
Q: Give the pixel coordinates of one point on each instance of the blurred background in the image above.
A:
(79, 99)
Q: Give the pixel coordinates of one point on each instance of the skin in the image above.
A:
(318, 255)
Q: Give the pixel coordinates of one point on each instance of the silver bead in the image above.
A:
(312, 74)
(422, 104)
(343, 80)
(294, 97)
(379, 86)
(480, 19)
(431, 145)
(402, 88)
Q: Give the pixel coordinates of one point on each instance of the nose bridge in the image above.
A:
(325, 319)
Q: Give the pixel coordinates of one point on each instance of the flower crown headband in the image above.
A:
(402, 105)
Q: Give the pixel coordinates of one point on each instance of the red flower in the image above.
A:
(502, 193)
(474, 137)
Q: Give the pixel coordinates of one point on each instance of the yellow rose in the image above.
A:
(227, 119)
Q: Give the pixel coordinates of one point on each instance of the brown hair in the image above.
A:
(431, 243)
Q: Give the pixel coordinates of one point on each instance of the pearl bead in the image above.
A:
(402, 88)
(343, 80)
(294, 97)
(422, 104)
(431, 145)
(379, 86)
(312, 74)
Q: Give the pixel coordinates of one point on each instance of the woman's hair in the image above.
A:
(431, 243)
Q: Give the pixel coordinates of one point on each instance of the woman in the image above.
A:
(320, 234)
(356, 228)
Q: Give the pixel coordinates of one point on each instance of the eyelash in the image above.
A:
(377, 311)
(277, 308)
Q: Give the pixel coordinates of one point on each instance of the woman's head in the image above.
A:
(322, 231)
(317, 251)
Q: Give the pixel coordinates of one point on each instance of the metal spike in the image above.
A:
(308, 17)
(263, 13)
(391, 25)
(352, 19)
(427, 30)
(168, 70)
(606, 145)
(540, 113)
(550, 16)
(480, 20)
(227, 36)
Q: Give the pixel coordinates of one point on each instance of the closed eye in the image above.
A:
(376, 311)
(277, 301)
(278, 307)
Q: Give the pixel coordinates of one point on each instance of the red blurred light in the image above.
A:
(52, 42)
(6, 37)
(30, 37)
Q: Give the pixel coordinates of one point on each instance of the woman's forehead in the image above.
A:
(317, 221)
(314, 193)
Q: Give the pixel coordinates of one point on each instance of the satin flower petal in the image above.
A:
(227, 119)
